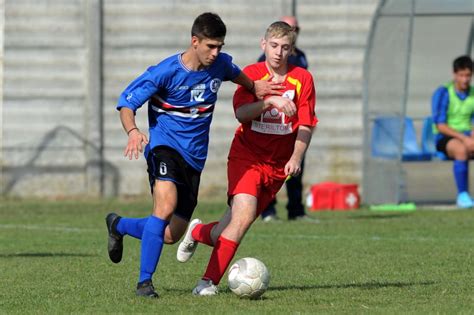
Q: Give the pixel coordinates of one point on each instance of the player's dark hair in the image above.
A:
(461, 63)
(208, 25)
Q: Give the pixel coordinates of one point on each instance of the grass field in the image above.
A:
(53, 259)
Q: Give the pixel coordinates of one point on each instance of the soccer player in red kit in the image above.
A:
(268, 146)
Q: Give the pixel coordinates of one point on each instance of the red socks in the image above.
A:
(202, 233)
(222, 255)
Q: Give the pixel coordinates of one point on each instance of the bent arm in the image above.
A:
(450, 132)
(259, 88)
(243, 80)
(247, 112)
(439, 105)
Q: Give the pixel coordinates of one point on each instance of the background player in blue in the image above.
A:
(294, 185)
(453, 111)
(181, 92)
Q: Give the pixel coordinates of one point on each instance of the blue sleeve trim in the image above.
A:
(122, 105)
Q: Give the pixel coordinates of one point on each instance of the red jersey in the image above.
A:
(270, 138)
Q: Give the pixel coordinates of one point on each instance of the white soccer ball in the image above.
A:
(248, 278)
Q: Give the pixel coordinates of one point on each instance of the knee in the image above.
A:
(172, 237)
(163, 210)
(170, 240)
(461, 155)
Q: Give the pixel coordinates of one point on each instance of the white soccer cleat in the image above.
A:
(205, 287)
(187, 247)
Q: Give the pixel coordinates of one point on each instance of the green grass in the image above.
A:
(53, 259)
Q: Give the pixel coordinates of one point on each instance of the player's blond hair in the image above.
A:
(281, 29)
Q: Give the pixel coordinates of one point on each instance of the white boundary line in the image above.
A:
(359, 239)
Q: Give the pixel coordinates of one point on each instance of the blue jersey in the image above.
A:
(180, 104)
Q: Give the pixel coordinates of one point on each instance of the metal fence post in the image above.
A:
(94, 105)
(2, 28)
(293, 7)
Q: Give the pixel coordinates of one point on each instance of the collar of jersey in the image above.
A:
(184, 66)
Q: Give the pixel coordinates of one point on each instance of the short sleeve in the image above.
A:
(307, 103)
(231, 70)
(242, 95)
(439, 105)
(142, 88)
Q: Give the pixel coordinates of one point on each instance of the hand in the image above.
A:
(293, 167)
(469, 143)
(283, 104)
(134, 145)
(267, 87)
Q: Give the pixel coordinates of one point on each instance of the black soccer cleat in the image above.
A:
(115, 243)
(146, 289)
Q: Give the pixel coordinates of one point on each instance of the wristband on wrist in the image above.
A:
(128, 132)
(252, 89)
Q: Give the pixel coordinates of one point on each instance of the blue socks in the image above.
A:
(151, 231)
(460, 172)
(152, 244)
(132, 227)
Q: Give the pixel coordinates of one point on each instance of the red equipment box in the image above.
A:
(333, 196)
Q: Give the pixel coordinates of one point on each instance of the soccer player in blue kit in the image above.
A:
(181, 92)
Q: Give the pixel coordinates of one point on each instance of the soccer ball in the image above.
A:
(248, 278)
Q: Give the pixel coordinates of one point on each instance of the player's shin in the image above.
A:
(132, 226)
(222, 254)
(152, 244)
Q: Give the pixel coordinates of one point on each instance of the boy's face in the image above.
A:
(462, 79)
(207, 49)
(276, 50)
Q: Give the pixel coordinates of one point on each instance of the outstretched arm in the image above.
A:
(135, 136)
(303, 138)
(260, 88)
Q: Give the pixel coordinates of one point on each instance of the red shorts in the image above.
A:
(257, 179)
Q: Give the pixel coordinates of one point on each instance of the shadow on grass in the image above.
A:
(381, 216)
(366, 286)
(222, 290)
(42, 255)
